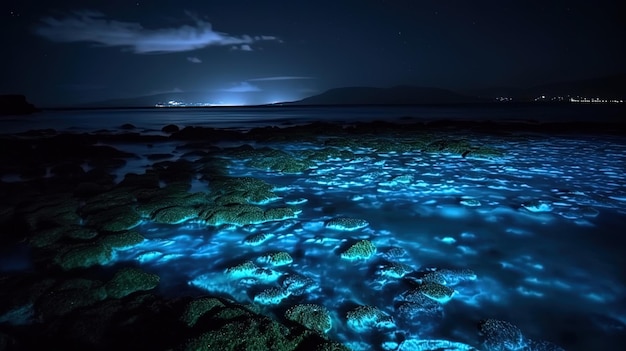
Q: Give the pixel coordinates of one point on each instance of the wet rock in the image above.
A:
(361, 250)
(115, 219)
(197, 308)
(311, 316)
(501, 335)
(69, 296)
(346, 224)
(170, 128)
(271, 296)
(175, 214)
(130, 280)
(364, 318)
(84, 255)
(280, 258)
(122, 241)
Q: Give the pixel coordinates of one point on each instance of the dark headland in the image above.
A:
(15, 105)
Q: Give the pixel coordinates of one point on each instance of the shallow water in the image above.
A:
(541, 228)
(544, 243)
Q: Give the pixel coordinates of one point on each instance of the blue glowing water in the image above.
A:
(540, 228)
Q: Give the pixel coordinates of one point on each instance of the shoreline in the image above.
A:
(80, 199)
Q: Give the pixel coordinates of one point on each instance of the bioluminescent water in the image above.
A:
(532, 238)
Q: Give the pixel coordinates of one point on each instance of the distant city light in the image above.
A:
(595, 100)
(173, 103)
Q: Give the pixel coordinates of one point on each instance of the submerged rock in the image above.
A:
(434, 345)
(250, 270)
(257, 239)
(538, 206)
(394, 253)
(346, 224)
(364, 318)
(280, 258)
(394, 270)
(448, 277)
(361, 250)
(242, 270)
(437, 292)
(501, 335)
(271, 296)
(297, 284)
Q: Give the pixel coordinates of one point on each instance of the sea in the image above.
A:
(89, 120)
(534, 238)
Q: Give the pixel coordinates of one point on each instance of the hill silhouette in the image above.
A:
(399, 95)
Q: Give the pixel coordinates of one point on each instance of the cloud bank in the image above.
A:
(94, 27)
(193, 59)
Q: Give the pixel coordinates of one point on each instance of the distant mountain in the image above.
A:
(609, 87)
(399, 95)
(613, 87)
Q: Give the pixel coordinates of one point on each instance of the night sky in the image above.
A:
(67, 52)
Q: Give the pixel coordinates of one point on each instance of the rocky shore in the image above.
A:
(65, 216)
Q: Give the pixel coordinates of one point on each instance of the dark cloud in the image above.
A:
(94, 27)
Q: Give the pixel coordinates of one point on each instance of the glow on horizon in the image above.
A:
(232, 100)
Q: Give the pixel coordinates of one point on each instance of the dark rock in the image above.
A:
(15, 105)
(129, 280)
(155, 157)
(127, 126)
(68, 170)
(170, 128)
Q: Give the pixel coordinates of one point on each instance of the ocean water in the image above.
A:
(245, 117)
(534, 238)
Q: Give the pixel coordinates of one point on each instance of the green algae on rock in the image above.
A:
(69, 296)
(312, 316)
(363, 318)
(122, 240)
(252, 333)
(279, 214)
(346, 224)
(129, 280)
(437, 292)
(361, 250)
(271, 296)
(297, 284)
(175, 214)
(280, 258)
(394, 270)
(257, 239)
(84, 256)
(278, 161)
(197, 308)
(115, 219)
